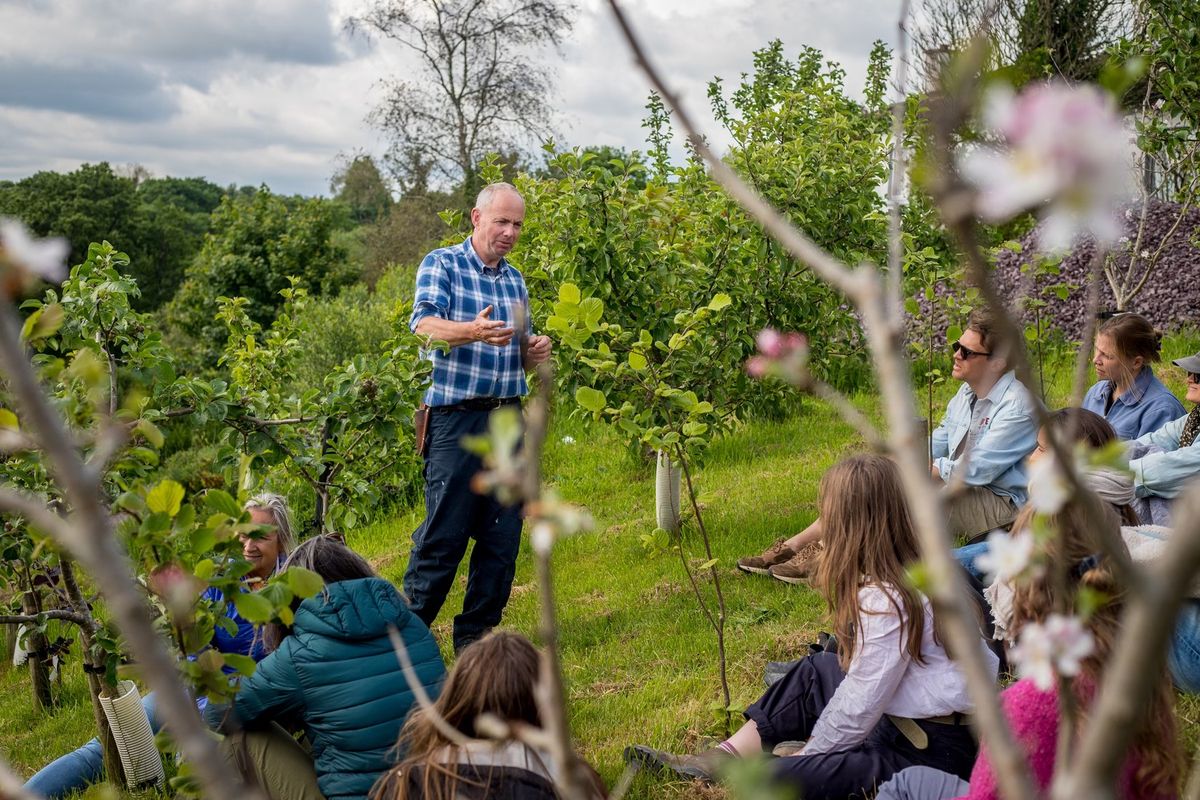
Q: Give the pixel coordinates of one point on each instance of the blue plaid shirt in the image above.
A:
(455, 285)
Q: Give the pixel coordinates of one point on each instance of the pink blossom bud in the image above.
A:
(770, 343)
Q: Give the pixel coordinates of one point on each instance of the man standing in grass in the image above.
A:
(978, 451)
(466, 295)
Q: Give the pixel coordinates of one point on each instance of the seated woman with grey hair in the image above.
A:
(76, 770)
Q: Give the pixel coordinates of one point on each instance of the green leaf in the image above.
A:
(712, 562)
(150, 432)
(9, 420)
(569, 293)
(165, 498)
(222, 502)
(304, 583)
(243, 664)
(637, 361)
(719, 301)
(591, 399)
(43, 323)
(252, 607)
(205, 568)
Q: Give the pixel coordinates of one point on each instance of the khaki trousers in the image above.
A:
(977, 509)
(280, 765)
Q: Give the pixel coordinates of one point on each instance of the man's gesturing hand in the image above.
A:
(538, 351)
(485, 329)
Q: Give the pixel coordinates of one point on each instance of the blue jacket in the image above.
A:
(1144, 408)
(1165, 474)
(337, 672)
(1006, 436)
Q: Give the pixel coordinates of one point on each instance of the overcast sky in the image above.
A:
(274, 91)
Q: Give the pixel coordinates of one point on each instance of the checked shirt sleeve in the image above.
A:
(432, 297)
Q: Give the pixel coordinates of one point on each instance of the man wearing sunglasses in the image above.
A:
(988, 429)
(979, 448)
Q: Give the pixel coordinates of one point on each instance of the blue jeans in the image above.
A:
(78, 769)
(1184, 656)
(454, 515)
(967, 554)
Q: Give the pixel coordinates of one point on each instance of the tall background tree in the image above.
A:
(481, 87)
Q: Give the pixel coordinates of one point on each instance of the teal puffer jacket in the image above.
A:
(337, 672)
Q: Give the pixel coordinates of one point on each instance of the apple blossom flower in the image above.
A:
(542, 537)
(1007, 556)
(783, 355)
(1056, 647)
(44, 258)
(1063, 146)
(1048, 487)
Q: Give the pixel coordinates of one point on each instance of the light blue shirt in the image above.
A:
(1144, 408)
(1165, 474)
(1002, 438)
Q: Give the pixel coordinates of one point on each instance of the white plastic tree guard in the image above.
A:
(135, 740)
(666, 493)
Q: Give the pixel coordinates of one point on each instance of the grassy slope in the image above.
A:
(640, 660)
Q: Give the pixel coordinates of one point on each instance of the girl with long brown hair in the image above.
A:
(1153, 763)
(892, 697)
(495, 675)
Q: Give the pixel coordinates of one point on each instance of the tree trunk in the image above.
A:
(39, 659)
(97, 683)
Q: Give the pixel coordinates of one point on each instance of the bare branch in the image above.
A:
(864, 287)
(90, 539)
(1137, 658)
(899, 163)
(452, 734)
(858, 420)
(36, 619)
(12, 787)
(36, 511)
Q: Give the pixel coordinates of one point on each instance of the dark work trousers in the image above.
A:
(789, 710)
(454, 514)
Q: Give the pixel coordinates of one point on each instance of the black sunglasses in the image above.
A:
(1194, 377)
(966, 352)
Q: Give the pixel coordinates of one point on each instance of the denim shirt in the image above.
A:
(1165, 474)
(1006, 436)
(1143, 408)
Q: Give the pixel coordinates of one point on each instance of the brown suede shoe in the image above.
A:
(777, 553)
(800, 567)
(702, 767)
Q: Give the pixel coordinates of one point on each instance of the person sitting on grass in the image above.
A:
(1112, 485)
(1152, 766)
(1166, 460)
(334, 671)
(979, 449)
(76, 770)
(1127, 393)
(892, 697)
(495, 675)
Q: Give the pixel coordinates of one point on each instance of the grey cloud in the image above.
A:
(111, 90)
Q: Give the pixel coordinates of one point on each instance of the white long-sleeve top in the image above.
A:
(883, 679)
